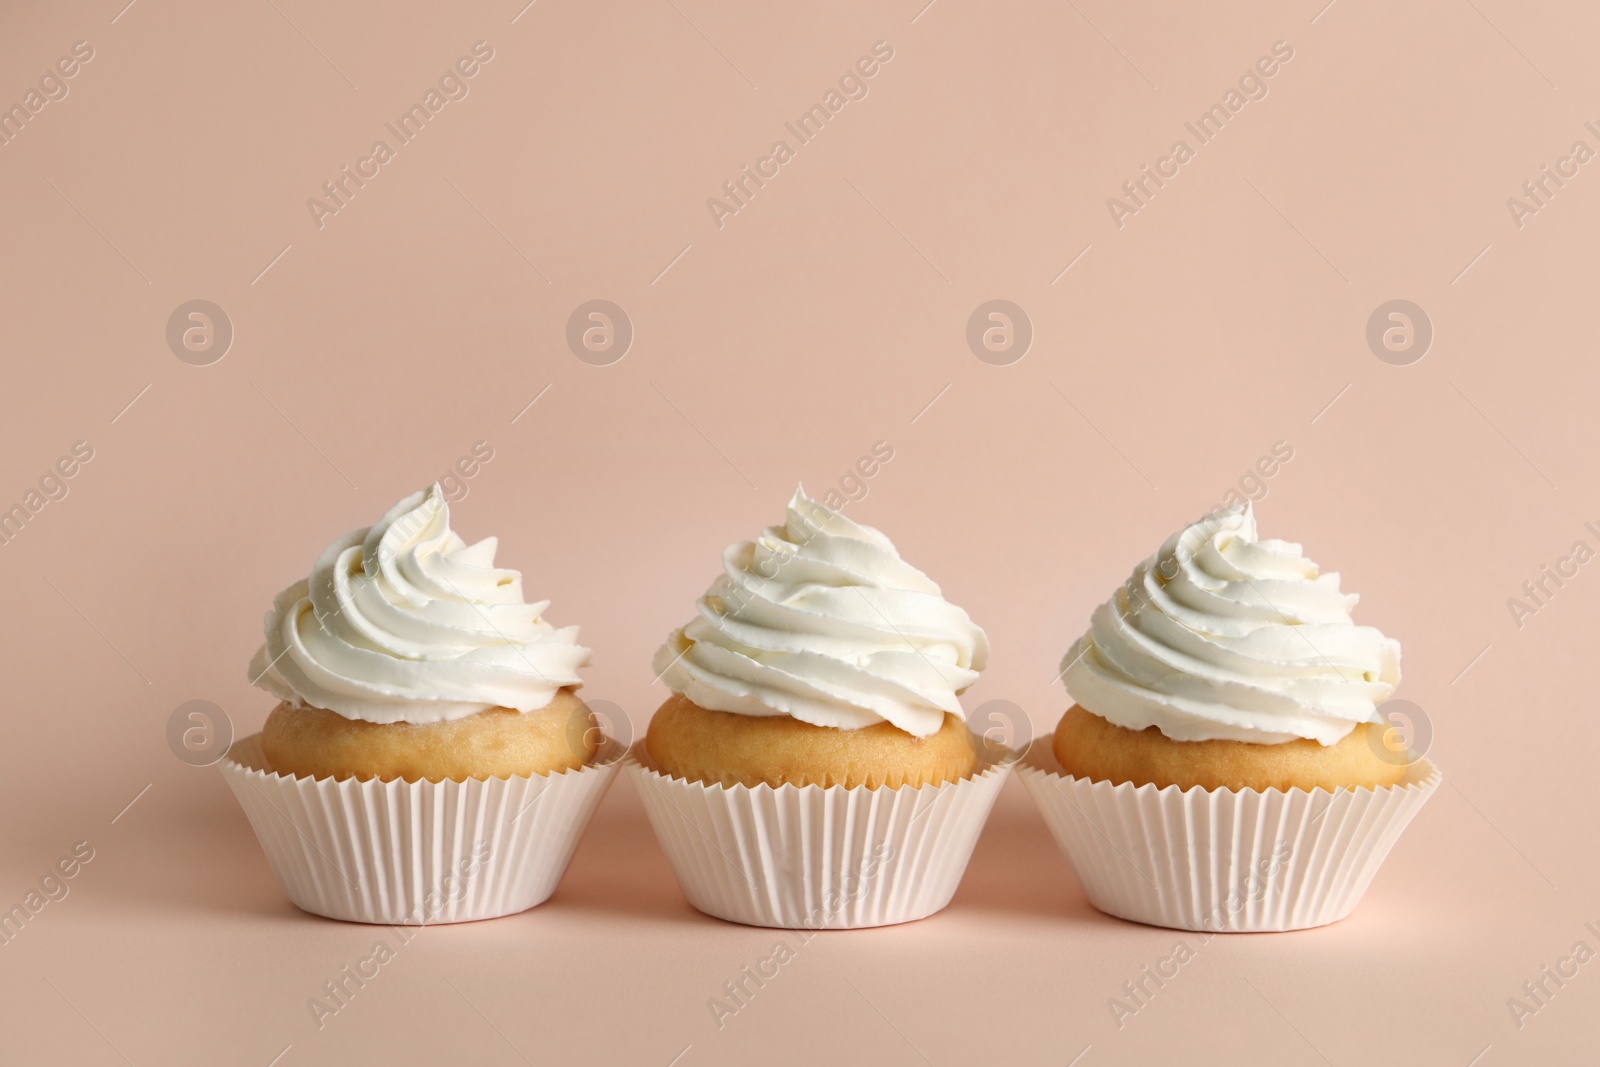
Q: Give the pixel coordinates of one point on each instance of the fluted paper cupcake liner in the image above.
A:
(416, 852)
(817, 858)
(1219, 860)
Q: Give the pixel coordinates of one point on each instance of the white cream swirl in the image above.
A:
(1223, 636)
(406, 622)
(821, 619)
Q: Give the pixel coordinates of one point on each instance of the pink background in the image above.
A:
(1225, 316)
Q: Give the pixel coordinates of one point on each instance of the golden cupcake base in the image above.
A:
(721, 748)
(1087, 746)
(498, 743)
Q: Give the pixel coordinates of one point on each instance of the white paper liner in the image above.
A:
(416, 852)
(817, 858)
(1219, 860)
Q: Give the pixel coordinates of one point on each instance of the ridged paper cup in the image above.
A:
(417, 852)
(817, 858)
(1219, 860)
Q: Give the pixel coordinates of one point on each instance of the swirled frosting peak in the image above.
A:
(406, 622)
(1221, 635)
(821, 619)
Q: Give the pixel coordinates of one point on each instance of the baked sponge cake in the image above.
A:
(720, 747)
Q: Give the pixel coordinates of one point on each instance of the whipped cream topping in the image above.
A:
(405, 622)
(822, 620)
(1221, 636)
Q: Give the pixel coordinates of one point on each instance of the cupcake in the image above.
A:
(813, 767)
(1225, 765)
(429, 754)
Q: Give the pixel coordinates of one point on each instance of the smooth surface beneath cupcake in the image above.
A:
(498, 743)
(719, 747)
(1088, 746)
